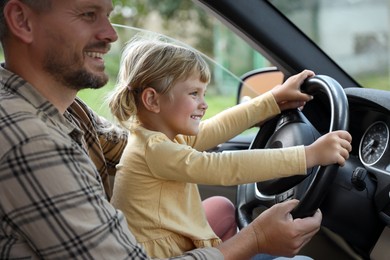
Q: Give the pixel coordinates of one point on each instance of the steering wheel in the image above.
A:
(292, 128)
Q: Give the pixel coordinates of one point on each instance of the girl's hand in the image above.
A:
(334, 147)
(288, 95)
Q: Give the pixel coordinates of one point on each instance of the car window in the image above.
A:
(354, 33)
(229, 57)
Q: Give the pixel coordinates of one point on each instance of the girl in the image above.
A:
(160, 98)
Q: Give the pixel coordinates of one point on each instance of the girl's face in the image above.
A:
(183, 108)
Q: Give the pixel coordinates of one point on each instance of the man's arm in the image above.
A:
(53, 203)
(274, 232)
(104, 140)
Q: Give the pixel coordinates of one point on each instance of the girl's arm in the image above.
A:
(233, 121)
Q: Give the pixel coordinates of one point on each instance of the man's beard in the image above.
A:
(71, 73)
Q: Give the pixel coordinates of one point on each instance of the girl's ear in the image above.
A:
(18, 17)
(151, 100)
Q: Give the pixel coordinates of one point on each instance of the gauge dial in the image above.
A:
(374, 143)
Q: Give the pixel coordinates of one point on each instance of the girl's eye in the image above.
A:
(194, 93)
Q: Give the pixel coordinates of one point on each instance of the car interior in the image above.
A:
(355, 198)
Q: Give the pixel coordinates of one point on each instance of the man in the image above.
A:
(56, 154)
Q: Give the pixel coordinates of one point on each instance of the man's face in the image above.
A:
(77, 35)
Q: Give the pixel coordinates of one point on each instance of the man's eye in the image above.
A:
(89, 15)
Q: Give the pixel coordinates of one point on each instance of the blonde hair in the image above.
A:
(151, 62)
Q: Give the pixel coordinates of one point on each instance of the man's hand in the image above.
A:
(277, 233)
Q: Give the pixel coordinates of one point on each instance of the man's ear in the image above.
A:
(151, 99)
(17, 16)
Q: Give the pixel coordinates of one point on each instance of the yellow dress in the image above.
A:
(156, 180)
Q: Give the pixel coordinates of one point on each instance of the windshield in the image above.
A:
(354, 33)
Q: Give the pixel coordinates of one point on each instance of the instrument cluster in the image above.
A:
(373, 146)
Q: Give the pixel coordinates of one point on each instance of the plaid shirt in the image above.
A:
(53, 172)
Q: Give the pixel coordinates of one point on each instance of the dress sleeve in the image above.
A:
(234, 121)
(172, 161)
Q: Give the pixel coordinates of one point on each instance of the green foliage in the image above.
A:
(176, 16)
(218, 103)
(374, 81)
(96, 99)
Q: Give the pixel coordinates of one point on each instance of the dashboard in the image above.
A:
(359, 198)
(369, 127)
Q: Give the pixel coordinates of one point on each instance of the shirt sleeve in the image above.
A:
(104, 140)
(172, 161)
(53, 202)
(112, 139)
